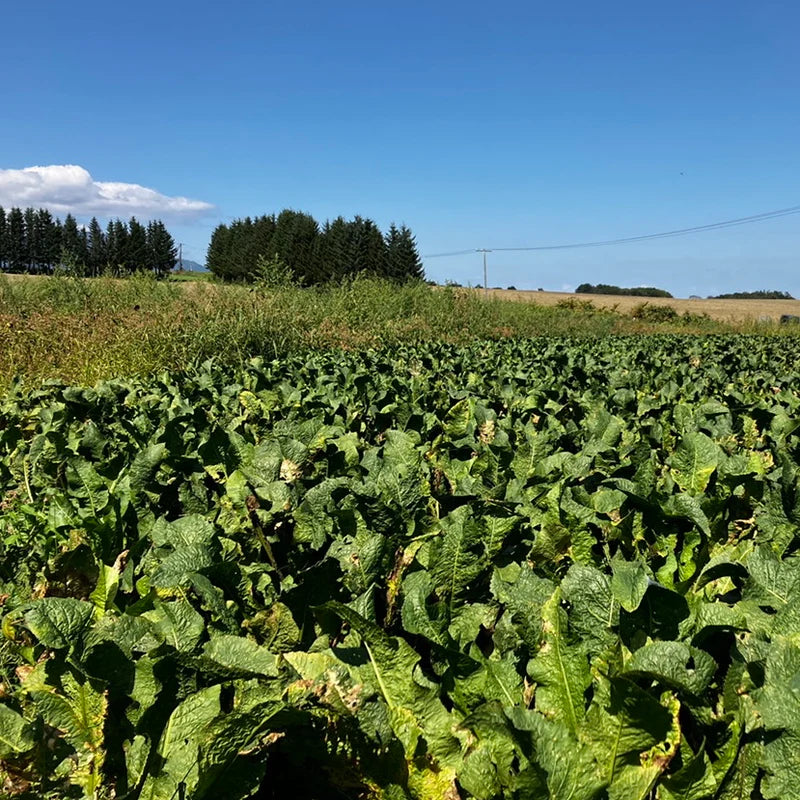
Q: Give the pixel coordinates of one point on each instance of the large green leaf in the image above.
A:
(235, 656)
(694, 461)
(675, 664)
(58, 622)
(457, 558)
(415, 712)
(178, 624)
(179, 747)
(629, 583)
(594, 611)
(570, 768)
(78, 711)
(560, 669)
(622, 725)
(16, 734)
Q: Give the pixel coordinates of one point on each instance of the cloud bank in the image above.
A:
(67, 188)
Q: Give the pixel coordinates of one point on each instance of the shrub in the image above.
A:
(648, 312)
(274, 273)
(573, 304)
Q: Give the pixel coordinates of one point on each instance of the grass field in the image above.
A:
(82, 330)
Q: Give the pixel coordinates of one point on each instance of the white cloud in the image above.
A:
(67, 188)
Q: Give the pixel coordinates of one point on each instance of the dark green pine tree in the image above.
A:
(296, 243)
(261, 237)
(122, 262)
(137, 246)
(97, 256)
(3, 239)
(241, 237)
(394, 265)
(32, 247)
(334, 248)
(84, 249)
(367, 249)
(162, 253)
(49, 238)
(218, 259)
(73, 245)
(409, 264)
(112, 248)
(16, 250)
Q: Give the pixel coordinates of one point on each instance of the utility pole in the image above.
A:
(485, 279)
(180, 256)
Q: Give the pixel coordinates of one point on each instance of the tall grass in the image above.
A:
(82, 330)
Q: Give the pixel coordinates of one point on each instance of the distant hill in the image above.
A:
(192, 266)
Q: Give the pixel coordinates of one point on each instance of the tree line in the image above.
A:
(636, 291)
(34, 241)
(309, 253)
(761, 294)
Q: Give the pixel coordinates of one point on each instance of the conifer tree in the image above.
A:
(334, 255)
(73, 244)
(260, 242)
(16, 250)
(367, 250)
(97, 256)
(394, 261)
(339, 249)
(112, 247)
(162, 253)
(49, 238)
(122, 256)
(3, 239)
(410, 264)
(296, 243)
(137, 246)
(31, 241)
(218, 255)
(238, 248)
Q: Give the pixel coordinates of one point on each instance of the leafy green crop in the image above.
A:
(535, 569)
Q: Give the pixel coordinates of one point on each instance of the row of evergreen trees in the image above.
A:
(313, 254)
(34, 241)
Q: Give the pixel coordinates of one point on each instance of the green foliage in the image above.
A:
(649, 312)
(34, 242)
(516, 569)
(573, 304)
(339, 250)
(273, 273)
(81, 330)
(636, 291)
(761, 294)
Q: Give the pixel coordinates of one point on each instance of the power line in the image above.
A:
(781, 212)
(454, 253)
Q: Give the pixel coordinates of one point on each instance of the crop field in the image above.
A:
(727, 310)
(84, 330)
(554, 568)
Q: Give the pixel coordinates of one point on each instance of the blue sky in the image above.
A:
(478, 125)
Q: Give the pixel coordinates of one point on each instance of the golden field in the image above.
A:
(722, 310)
